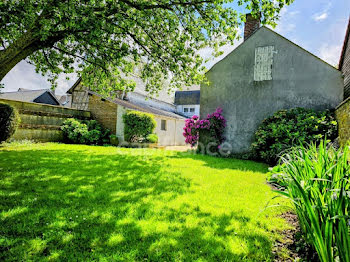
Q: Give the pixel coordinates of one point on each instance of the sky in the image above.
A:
(316, 25)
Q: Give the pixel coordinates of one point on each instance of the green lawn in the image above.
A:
(70, 202)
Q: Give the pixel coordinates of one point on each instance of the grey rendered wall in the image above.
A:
(172, 136)
(299, 79)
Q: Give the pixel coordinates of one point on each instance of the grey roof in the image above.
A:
(187, 97)
(26, 95)
(142, 108)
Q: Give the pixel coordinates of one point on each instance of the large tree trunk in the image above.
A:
(26, 45)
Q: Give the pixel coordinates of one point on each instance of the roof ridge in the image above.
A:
(285, 38)
(22, 91)
(152, 98)
(138, 107)
(300, 47)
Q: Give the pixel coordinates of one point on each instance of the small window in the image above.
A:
(163, 125)
(192, 110)
(263, 63)
(185, 109)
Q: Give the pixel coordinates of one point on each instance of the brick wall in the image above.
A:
(41, 122)
(104, 111)
(251, 25)
(343, 117)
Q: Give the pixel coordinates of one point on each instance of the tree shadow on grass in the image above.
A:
(73, 205)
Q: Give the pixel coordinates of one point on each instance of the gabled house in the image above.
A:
(109, 113)
(344, 63)
(188, 102)
(264, 74)
(42, 96)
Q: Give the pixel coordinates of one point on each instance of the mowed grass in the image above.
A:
(71, 202)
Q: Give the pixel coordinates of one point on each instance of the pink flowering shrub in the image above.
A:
(211, 129)
(192, 127)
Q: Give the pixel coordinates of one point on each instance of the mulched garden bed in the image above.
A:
(293, 242)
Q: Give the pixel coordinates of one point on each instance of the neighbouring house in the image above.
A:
(344, 63)
(42, 96)
(343, 110)
(109, 113)
(264, 74)
(188, 102)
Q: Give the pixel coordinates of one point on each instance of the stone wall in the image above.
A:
(104, 111)
(343, 117)
(41, 122)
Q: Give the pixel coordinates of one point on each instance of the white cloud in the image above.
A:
(286, 23)
(320, 17)
(206, 53)
(330, 53)
(323, 14)
(23, 75)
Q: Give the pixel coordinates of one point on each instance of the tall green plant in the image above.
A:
(317, 181)
(287, 128)
(9, 121)
(138, 125)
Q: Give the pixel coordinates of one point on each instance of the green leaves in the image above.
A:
(161, 37)
(139, 126)
(317, 181)
(288, 128)
(9, 121)
(88, 132)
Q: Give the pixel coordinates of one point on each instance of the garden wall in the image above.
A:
(41, 122)
(343, 117)
(104, 111)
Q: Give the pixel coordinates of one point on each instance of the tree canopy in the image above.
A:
(106, 41)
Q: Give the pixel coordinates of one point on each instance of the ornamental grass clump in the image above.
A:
(316, 179)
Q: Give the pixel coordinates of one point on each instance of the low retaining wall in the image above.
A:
(42, 122)
(343, 118)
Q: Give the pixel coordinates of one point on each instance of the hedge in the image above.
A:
(137, 126)
(9, 121)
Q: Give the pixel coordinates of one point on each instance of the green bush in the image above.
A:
(88, 132)
(287, 128)
(114, 140)
(137, 126)
(152, 138)
(9, 121)
(317, 181)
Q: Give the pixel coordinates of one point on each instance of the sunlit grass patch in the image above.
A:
(71, 202)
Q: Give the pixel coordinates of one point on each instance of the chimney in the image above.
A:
(251, 25)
